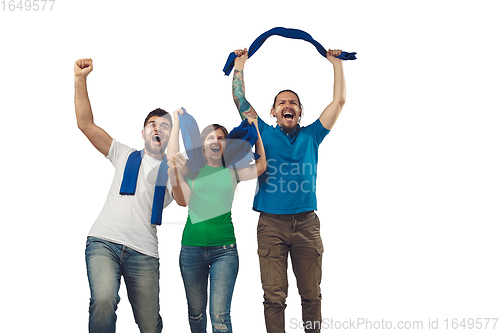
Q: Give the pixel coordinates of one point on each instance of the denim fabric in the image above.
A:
(220, 264)
(106, 263)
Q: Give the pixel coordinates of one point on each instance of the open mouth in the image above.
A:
(288, 115)
(215, 149)
(157, 138)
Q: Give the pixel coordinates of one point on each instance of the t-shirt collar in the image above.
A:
(292, 134)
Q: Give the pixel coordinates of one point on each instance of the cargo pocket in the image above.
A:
(319, 271)
(265, 265)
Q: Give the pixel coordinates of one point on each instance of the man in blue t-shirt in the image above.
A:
(286, 197)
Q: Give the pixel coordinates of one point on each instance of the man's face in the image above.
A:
(287, 110)
(156, 134)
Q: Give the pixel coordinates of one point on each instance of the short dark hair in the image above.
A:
(158, 112)
(287, 90)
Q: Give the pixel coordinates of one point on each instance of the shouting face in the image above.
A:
(214, 146)
(156, 134)
(287, 110)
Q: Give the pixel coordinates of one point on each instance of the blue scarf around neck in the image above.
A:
(192, 144)
(129, 183)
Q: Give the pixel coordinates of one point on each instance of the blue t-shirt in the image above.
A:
(288, 186)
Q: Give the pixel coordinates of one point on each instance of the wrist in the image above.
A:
(337, 63)
(239, 64)
(80, 79)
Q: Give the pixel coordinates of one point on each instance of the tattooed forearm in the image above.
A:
(244, 107)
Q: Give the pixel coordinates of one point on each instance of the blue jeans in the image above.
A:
(221, 264)
(106, 263)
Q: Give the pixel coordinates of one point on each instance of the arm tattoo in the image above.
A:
(244, 107)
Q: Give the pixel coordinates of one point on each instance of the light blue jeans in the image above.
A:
(106, 263)
(220, 264)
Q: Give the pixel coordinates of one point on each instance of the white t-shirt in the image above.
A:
(126, 219)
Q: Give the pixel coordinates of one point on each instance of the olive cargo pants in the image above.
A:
(298, 234)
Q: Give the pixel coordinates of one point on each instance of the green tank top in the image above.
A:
(209, 211)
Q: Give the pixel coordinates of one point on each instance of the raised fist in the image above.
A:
(332, 55)
(83, 67)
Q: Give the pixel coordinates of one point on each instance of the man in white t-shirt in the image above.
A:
(122, 241)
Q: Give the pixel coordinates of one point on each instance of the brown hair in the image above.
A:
(287, 90)
(210, 128)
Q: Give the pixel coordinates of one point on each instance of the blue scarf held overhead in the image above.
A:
(288, 33)
(239, 145)
(129, 183)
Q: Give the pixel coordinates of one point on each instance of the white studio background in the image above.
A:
(408, 183)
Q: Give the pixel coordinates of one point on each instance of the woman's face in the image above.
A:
(214, 146)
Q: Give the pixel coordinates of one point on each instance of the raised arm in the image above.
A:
(84, 117)
(260, 165)
(332, 111)
(244, 107)
(173, 141)
(181, 192)
(176, 163)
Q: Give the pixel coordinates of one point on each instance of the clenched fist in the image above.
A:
(175, 163)
(332, 55)
(83, 67)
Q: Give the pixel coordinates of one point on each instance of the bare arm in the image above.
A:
(181, 191)
(244, 107)
(260, 165)
(332, 111)
(173, 141)
(84, 117)
(177, 165)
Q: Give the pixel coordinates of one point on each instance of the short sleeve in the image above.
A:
(118, 151)
(263, 126)
(319, 131)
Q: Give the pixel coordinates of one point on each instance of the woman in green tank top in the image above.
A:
(208, 241)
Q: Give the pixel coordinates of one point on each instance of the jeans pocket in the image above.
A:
(265, 265)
